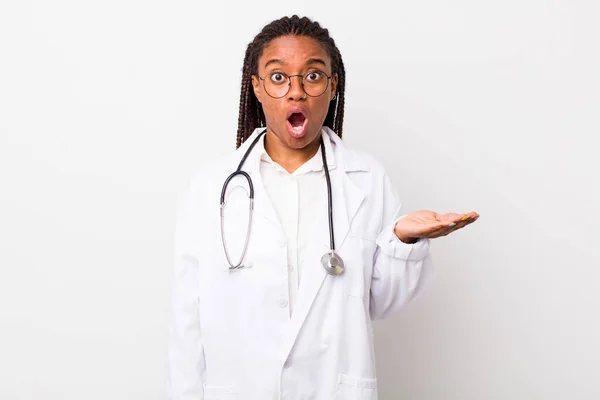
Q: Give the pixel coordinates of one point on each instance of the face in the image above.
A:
(295, 119)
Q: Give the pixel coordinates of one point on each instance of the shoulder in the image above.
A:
(209, 177)
(366, 171)
(223, 165)
(370, 162)
(206, 179)
(355, 160)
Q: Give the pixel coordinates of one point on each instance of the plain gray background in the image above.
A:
(108, 108)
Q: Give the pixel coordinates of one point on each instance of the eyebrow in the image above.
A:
(308, 62)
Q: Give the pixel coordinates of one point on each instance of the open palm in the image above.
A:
(428, 224)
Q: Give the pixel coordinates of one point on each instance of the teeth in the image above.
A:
(297, 129)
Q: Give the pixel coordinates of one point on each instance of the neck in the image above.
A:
(289, 159)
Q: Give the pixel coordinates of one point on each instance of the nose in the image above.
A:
(296, 89)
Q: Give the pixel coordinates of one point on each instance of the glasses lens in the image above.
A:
(277, 84)
(315, 83)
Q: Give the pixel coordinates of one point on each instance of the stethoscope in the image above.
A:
(332, 262)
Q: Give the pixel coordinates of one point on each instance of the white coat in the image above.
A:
(231, 335)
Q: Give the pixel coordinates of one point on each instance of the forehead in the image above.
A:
(294, 51)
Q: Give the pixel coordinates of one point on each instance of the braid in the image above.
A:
(251, 115)
(335, 115)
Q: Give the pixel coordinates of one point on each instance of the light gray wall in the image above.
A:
(107, 108)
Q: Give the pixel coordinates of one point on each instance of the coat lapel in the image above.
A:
(346, 199)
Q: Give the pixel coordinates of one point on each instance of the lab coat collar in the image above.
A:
(347, 160)
(315, 164)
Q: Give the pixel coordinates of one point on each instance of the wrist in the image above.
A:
(408, 240)
(404, 238)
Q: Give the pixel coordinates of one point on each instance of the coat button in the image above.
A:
(282, 302)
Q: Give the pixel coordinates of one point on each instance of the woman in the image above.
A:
(286, 313)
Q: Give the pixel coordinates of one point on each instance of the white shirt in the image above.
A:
(300, 199)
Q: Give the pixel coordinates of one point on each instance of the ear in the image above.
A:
(334, 83)
(256, 87)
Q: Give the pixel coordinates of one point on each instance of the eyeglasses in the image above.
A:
(277, 84)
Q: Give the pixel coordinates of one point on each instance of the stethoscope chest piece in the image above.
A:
(333, 264)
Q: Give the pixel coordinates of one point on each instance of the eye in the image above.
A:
(278, 77)
(314, 76)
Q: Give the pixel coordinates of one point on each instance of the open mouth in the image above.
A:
(297, 123)
(297, 120)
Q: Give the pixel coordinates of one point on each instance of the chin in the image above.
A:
(304, 140)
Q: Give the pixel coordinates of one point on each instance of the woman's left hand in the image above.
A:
(427, 224)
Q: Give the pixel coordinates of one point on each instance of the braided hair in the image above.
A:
(251, 115)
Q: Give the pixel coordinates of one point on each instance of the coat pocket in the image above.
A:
(221, 392)
(352, 388)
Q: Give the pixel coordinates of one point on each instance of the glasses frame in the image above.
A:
(289, 78)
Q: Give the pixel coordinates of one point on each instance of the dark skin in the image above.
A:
(292, 55)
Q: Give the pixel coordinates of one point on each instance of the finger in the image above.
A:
(446, 224)
(451, 217)
(439, 230)
(472, 215)
(454, 217)
(461, 225)
(449, 229)
(464, 221)
(461, 218)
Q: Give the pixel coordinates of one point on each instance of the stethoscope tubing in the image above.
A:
(334, 269)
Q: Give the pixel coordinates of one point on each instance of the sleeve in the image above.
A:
(400, 270)
(185, 363)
